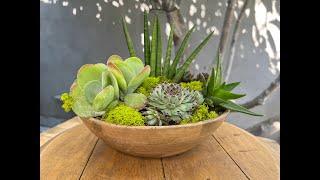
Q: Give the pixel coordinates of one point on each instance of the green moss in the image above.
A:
(200, 114)
(125, 115)
(143, 90)
(193, 85)
(67, 102)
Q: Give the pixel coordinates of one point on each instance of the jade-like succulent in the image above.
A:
(99, 87)
(172, 102)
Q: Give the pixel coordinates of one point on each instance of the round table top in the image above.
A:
(230, 153)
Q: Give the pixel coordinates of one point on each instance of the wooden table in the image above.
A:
(230, 153)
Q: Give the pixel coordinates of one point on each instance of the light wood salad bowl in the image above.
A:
(154, 141)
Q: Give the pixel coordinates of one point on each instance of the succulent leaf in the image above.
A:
(135, 64)
(128, 38)
(125, 69)
(137, 80)
(118, 75)
(90, 72)
(103, 98)
(91, 89)
(114, 83)
(135, 100)
(146, 38)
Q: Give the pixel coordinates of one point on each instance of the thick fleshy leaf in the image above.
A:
(135, 64)
(231, 86)
(128, 38)
(218, 75)
(135, 100)
(90, 72)
(146, 39)
(153, 56)
(211, 83)
(81, 106)
(114, 58)
(137, 81)
(159, 49)
(91, 89)
(103, 98)
(233, 106)
(114, 84)
(125, 69)
(168, 53)
(118, 75)
(226, 95)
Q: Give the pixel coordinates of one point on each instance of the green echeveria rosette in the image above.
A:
(169, 103)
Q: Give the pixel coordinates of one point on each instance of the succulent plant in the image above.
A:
(99, 87)
(172, 102)
(218, 94)
(153, 50)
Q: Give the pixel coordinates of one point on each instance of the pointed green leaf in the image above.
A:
(137, 81)
(233, 107)
(226, 95)
(168, 53)
(231, 86)
(210, 84)
(153, 57)
(159, 49)
(218, 75)
(180, 53)
(128, 38)
(189, 60)
(146, 39)
(103, 98)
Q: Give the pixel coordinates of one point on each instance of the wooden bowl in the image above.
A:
(154, 141)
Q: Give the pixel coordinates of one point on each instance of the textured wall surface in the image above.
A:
(77, 32)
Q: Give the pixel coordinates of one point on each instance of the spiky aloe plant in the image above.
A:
(153, 51)
(100, 87)
(218, 94)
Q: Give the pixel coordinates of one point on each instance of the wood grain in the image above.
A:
(207, 161)
(252, 157)
(107, 163)
(66, 156)
(53, 132)
(229, 153)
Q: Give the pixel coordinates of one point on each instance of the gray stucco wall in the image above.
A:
(71, 37)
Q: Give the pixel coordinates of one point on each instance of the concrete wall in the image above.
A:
(74, 33)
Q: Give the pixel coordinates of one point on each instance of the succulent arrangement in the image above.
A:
(152, 92)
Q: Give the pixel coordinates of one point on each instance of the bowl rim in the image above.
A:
(219, 118)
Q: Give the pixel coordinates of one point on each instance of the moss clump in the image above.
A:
(200, 114)
(143, 90)
(125, 115)
(67, 102)
(193, 85)
(151, 82)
